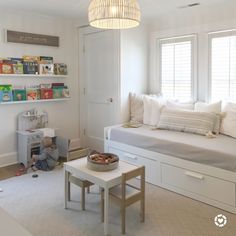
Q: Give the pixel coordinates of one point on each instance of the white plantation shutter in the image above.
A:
(223, 67)
(177, 68)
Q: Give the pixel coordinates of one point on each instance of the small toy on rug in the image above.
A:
(48, 157)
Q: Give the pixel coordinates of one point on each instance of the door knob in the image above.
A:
(110, 99)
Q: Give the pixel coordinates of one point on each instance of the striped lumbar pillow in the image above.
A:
(187, 121)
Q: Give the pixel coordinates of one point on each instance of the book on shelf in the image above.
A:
(45, 86)
(65, 92)
(32, 93)
(46, 93)
(54, 85)
(30, 67)
(31, 58)
(5, 92)
(60, 69)
(17, 64)
(57, 92)
(6, 66)
(45, 60)
(30, 64)
(19, 94)
(46, 69)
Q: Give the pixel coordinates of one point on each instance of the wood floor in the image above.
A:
(9, 171)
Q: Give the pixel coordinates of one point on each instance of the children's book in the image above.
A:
(46, 93)
(19, 94)
(57, 92)
(60, 69)
(32, 94)
(6, 93)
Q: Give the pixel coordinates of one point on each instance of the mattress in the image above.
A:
(218, 152)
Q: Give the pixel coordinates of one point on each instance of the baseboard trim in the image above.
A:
(8, 159)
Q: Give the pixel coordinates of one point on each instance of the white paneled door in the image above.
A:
(100, 86)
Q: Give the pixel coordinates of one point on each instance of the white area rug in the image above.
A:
(37, 204)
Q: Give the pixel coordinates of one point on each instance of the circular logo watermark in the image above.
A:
(220, 220)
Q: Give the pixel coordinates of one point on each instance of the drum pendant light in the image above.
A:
(114, 14)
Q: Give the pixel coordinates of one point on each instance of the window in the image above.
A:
(176, 68)
(223, 66)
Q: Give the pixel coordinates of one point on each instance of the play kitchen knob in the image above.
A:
(110, 100)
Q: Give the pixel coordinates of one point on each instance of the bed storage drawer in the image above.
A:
(201, 184)
(151, 169)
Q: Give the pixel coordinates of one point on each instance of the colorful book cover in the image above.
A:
(16, 60)
(30, 67)
(45, 86)
(5, 96)
(6, 68)
(46, 69)
(46, 59)
(57, 92)
(5, 92)
(46, 93)
(18, 68)
(19, 94)
(31, 58)
(55, 85)
(60, 69)
(65, 92)
(32, 94)
(5, 87)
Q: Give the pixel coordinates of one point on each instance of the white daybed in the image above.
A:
(189, 164)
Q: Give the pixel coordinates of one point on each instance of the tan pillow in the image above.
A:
(136, 108)
(187, 121)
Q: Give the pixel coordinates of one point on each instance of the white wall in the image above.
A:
(63, 115)
(193, 21)
(134, 64)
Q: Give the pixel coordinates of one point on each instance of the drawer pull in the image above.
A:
(194, 175)
(130, 156)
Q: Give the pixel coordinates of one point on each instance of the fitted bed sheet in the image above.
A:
(218, 152)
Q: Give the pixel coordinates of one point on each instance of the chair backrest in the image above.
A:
(139, 172)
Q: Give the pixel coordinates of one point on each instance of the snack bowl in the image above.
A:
(102, 161)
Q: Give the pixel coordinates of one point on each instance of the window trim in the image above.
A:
(176, 39)
(211, 35)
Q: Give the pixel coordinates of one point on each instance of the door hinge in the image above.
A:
(84, 90)
(83, 48)
(84, 131)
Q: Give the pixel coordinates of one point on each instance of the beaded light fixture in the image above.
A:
(114, 14)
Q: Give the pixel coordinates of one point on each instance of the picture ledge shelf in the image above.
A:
(32, 75)
(35, 101)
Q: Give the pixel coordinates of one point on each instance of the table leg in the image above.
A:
(66, 176)
(106, 204)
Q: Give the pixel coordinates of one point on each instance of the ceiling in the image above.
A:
(78, 8)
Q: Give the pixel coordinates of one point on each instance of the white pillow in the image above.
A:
(152, 109)
(156, 106)
(205, 107)
(228, 125)
(147, 105)
(179, 106)
(211, 107)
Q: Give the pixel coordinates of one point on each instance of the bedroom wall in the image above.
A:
(63, 115)
(199, 21)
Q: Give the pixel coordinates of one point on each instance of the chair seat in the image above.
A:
(130, 191)
(79, 181)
